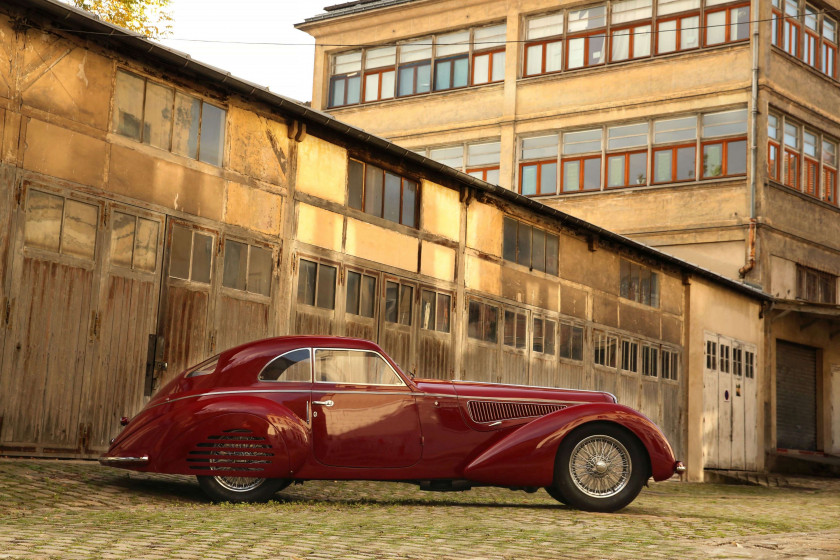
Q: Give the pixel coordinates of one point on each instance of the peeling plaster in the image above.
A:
(81, 73)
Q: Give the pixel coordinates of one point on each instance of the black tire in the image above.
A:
(555, 493)
(600, 467)
(240, 489)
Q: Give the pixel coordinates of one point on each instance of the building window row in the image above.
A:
(801, 157)
(383, 194)
(435, 63)
(165, 118)
(530, 246)
(815, 285)
(628, 355)
(627, 30)
(478, 159)
(644, 153)
(730, 356)
(804, 31)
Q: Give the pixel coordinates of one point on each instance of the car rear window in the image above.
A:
(291, 366)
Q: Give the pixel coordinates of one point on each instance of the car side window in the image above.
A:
(359, 367)
(291, 366)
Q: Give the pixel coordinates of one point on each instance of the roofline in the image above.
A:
(352, 9)
(178, 61)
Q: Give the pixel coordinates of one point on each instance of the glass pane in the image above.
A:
(491, 323)
(690, 33)
(409, 204)
(641, 41)
(539, 147)
(212, 134)
(736, 158)
(638, 169)
(474, 320)
(712, 160)
(666, 40)
(596, 53)
(615, 171)
(481, 69)
(509, 239)
(388, 80)
(292, 366)
(180, 252)
(452, 156)
(419, 49)
(345, 63)
(538, 335)
(630, 10)
(498, 73)
(146, 243)
(367, 301)
(548, 178)
(427, 310)
(306, 282)
(460, 72)
(392, 198)
(202, 257)
(577, 54)
(372, 87)
(621, 45)
(373, 190)
(381, 57)
(157, 126)
(551, 254)
(424, 78)
(337, 86)
(627, 136)
(354, 281)
(122, 239)
(577, 343)
(571, 176)
(591, 174)
(533, 56)
(354, 87)
(78, 237)
(493, 176)
(325, 296)
(554, 56)
(259, 271)
(725, 124)
(685, 163)
(483, 154)
(674, 130)
(582, 142)
(355, 182)
(128, 105)
(510, 329)
(236, 265)
(406, 82)
(444, 303)
(549, 337)
(406, 301)
(391, 296)
(529, 180)
(538, 250)
(673, 6)
(589, 18)
(523, 242)
(348, 366)
(521, 330)
(452, 43)
(443, 75)
(739, 28)
(185, 128)
(43, 221)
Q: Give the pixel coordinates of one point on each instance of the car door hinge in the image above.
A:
(95, 320)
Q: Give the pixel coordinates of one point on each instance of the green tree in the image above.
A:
(152, 18)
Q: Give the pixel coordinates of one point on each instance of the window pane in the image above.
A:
(146, 243)
(537, 344)
(736, 158)
(533, 56)
(392, 197)
(373, 190)
(413, 51)
(345, 63)
(725, 124)
(259, 271)
(78, 237)
(615, 171)
(474, 329)
(387, 83)
(291, 366)
(554, 56)
(509, 239)
(577, 53)
(638, 168)
(452, 156)
(406, 301)
(589, 18)
(122, 239)
(549, 337)
(202, 256)
(325, 296)
(491, 323)
(548, 178)
(185, 128)
(627, 136)
(674, 130)
(673, 6)
(577, 343)
(337, 86)
(716, 28)
(381, 57)
(498, 67)
(367, 300)
(180, 252)
(444, 303)
(306, 282)
(739, 27)
(409, 204)
(529, 180)
(538, 250)
(621, 45)
(596, 53)
(372, 87)
(483, 154)
(641, 41)
(591, 174)
(427, 310)
(43, 221)
(481, 70)
(509, 338)
(545, 26)
(128, 105)
(391, 297)
(571, 175)
(424, 78)
(791, 135)
(354, 86)
(539, 147)
(157, 126)
(712, 160)
(355, 178)
(354, 280)
(236, 265)
(690, 33)
(523, 242)
(685, 163)
(662, 165)
(212, 134)
(452, 43)
(443, 75)
(460, 72)
(551, 253)
(666, 40)
(582, 142)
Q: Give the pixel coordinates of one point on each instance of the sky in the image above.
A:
(212, 31)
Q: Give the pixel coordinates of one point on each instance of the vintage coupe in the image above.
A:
(255, 418)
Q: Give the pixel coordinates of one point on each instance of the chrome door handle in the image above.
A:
(324, 403)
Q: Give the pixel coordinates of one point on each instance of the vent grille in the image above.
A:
(232, 450)
(491, 411)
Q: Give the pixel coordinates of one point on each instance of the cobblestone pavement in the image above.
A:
(76, 509)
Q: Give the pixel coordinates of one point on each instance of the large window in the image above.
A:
(399, 302)
(815, 285)
(190, 255)
(529, 246)
(677, 26)
(674, 149)
(479, 159)
(418, 66)
(162, 117)
(727, 156)
(361, 294)
(134, 242)
(516, 329)
(627, 156)
(538, 167)
(247, 268)
(631, 32)
(639, 283)
(435, 308)
(64, 226)
(543, 337)
(570, 341)
(316, 284)
(605, 346)
(581, 161)
(483, 321)
(382, 193)
(727, 25)
(586, 41)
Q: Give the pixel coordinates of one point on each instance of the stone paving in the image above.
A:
(80, 510)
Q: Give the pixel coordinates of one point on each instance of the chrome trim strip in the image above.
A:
(108, 460)
(507, 399)
(468, 382)
(307, 391)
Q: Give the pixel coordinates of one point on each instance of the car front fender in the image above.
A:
(526, 456)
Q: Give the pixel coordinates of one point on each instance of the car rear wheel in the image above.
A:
(600, 467)
(240, 488)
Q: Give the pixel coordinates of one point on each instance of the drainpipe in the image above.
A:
(744, 270)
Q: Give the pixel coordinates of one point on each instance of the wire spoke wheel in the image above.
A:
(600, 466)
(239, 483)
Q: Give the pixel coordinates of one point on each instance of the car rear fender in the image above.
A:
(526, 456)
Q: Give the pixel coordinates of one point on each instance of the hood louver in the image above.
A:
(491, 411)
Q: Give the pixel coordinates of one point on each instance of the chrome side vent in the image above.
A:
(232, 450)
(492, 411)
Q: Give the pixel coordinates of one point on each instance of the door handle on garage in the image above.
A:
(324, 403)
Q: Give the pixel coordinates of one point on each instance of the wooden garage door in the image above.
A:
(796, 396)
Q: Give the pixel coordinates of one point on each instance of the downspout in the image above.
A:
(744, 270)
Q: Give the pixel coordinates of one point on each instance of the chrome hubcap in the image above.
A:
(239, 483)
(600, 466)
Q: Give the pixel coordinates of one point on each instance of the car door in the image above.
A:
(363, 414)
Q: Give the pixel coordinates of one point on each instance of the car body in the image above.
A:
(259, 416)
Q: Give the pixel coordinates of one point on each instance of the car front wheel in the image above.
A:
(600, 467)
(240, 488)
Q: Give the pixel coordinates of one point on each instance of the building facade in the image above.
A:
(708, 129)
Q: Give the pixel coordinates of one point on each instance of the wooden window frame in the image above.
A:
(484, 321)
(581, 176)
(810, 48)
(318, 264)
(774, 166)
(597, 336)
(450, 59)
(826, 66)
(379, 72)
(514, 325)
(776, 20)
(346, 78)
(437, 294)
(414, 66)
(631, 360)
(825, 285)
(811, 180)
(728, 25)
(789, 25)
(490, 54)
(650, 360)
(678, 41)
(482, 170)
(543, 43)
(791, 180)
(545, 352)
(403, 181)
(724, 158)
(828, 180)
(571, 350)
(674, 149)
(539, 164)
(552, 270)
(586, 37)
(626, 155)
(632, 35)
(400, 283)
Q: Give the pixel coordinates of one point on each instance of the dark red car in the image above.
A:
(255, 418)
